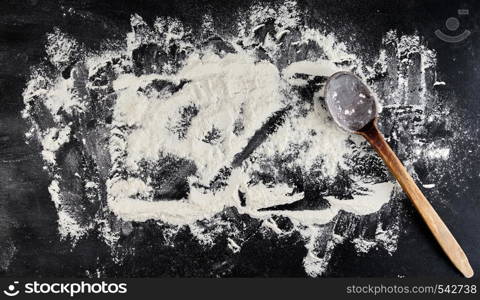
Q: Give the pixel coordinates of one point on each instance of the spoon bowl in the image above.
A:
(350, 102)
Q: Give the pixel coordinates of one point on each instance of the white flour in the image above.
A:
(204, 113)
(224, 90)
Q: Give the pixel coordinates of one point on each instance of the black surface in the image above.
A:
(28, 216)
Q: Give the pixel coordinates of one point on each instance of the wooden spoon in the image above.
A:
(353, 108)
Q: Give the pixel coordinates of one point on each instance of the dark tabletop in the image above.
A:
(28, 230)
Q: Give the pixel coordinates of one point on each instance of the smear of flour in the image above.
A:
(179, 126)
(363, 245)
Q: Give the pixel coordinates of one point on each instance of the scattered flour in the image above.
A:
(225, 120)
(364, 246)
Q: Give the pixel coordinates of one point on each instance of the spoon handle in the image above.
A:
(428, 213)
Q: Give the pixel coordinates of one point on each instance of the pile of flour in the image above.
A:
(228, 93)
(178, 126)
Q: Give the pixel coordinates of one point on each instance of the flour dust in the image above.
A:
(228, 136)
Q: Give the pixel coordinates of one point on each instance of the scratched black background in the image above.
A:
(29, 240)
